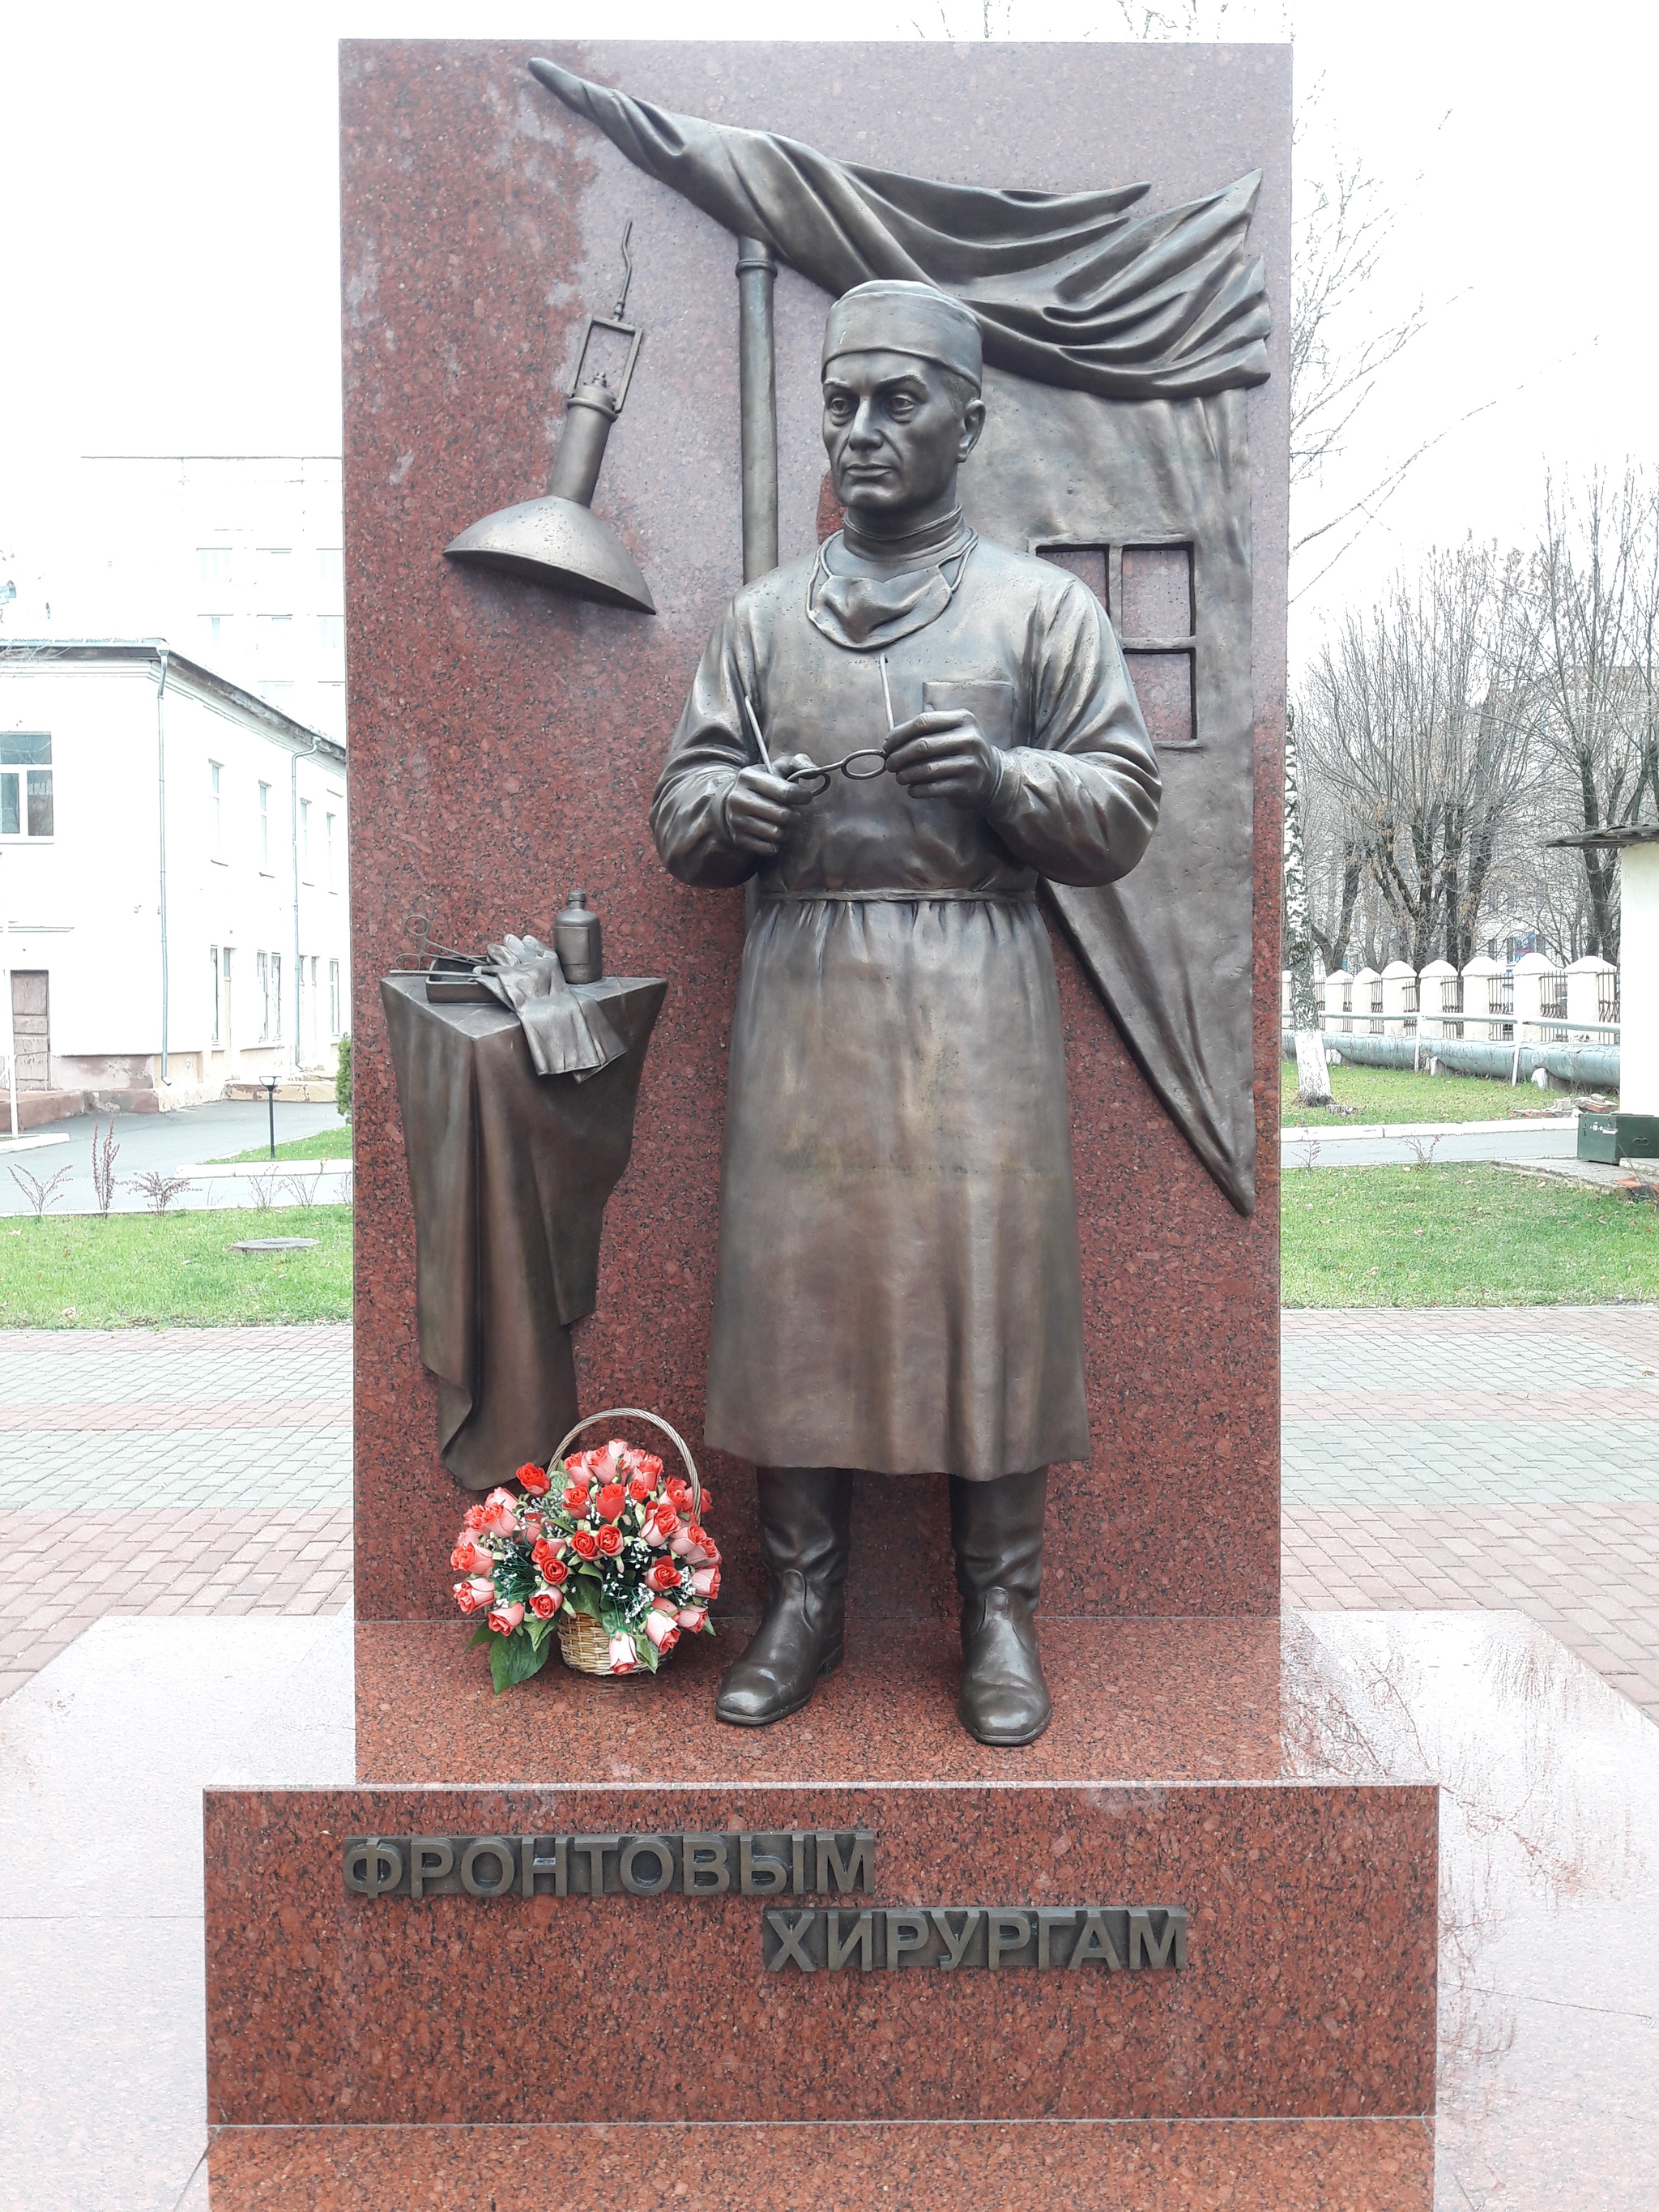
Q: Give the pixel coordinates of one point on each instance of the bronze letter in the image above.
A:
(1053, 1920)
(380, 1864)
(593, 1849)
(862, 1940)
(1145, 1949)
(956, 1945)
(906, 1931)
(1094, 1943)
(706, 1866)
(1005, 1931)
(789, 1941)
(856, 1871)
(430, 1859)
(635, 1848)
(487, 1847)
(752, 1864)
(558, 1866)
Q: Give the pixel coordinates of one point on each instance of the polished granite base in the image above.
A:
(1195, 1764)
(1548, 1979)
(1251, 2165)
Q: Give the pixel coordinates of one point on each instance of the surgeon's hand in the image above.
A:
(945, 754)
(762, 805)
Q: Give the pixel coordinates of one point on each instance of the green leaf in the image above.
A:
(646, 1650)
(581, 1599)
(481, 1634)
(514, 1659)
(538, 1629)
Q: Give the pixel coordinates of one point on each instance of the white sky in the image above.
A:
(171, 229)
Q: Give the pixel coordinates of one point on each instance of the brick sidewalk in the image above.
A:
(1445, 1459)
(231, 1449)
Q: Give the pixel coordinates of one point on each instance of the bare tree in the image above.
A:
(1595, 580)
(1420, 719)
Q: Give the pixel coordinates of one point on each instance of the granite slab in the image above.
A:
(505, 740)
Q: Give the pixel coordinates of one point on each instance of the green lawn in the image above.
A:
(1387, 1094)
(1461, 1237)
(139, 1270)
(326, 1145)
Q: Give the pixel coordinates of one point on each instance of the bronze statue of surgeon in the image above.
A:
(898, 1286)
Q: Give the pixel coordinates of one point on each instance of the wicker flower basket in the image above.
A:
(583, 1643)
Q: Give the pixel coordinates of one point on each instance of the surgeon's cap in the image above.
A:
(890, 316)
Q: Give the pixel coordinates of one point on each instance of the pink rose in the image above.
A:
(532, 1526)
(473, 1596)
(690, 1617)
(623, 1659)
(707, 1582)
(683, 1540)
(470, 1557)
(545, 1604)
(498, 1518)
(505, 1618)
(653, 1533)
(661, 1631)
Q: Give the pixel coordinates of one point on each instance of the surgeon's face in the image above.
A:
(895, 432)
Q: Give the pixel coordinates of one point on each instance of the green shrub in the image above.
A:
(342, 1079)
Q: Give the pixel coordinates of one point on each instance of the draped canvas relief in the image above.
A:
(1119, 348)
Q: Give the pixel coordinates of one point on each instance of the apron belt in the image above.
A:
(898, 899)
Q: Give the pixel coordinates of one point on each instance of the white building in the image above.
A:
(172, 879)
(235, 559)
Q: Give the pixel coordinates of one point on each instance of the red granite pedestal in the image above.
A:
(366, 2052)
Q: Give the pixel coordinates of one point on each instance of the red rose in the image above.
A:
(505, 1618)
(585, 1544)
(609, 1540)
(473, 1517)
(651, 1465)
(552, 1567)
(680, 1495)
(665, 1576)
(546, 1603)
(611, 1501)
(665, 1518)
(707, 1501)
(639, 1489)
(535, 1479)
(470, 1558)
(575, 1499)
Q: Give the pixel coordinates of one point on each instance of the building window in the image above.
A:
(216, 632)
(276, 998)
(264, 831)
(330, 570)
(275, 569)
(331, 632)
(305, 839)
(262, 974)
(26, 808)
(212, 563)
(328, 850)
(216, 798)
(334, 997)
(213, 961)
(276, 643)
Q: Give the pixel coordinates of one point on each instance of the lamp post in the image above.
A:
(270, 1083)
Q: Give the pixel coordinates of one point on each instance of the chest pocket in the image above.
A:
(988, 699)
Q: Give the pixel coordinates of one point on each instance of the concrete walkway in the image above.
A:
(1431, 1459)
(1440, 1143)
(170, 1141)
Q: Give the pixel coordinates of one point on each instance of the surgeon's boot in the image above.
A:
(804, 1514)
(997, 1530)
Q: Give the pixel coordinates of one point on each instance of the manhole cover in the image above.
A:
(275, 1244)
